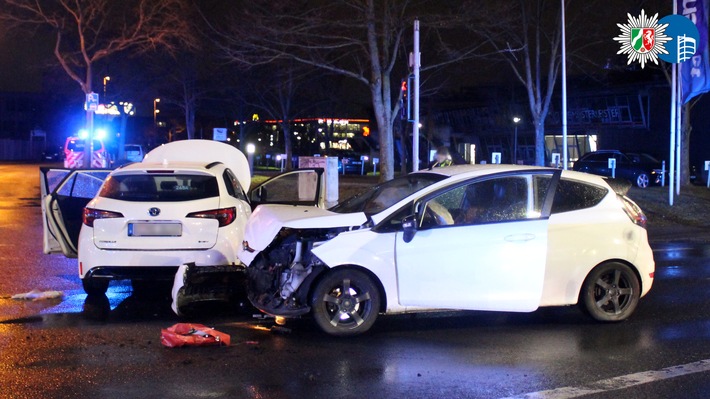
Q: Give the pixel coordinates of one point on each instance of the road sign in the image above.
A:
(92, 101)
(496, 157)
(611, 164)
(219, 134)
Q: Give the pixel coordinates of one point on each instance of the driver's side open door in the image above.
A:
(64, 194)
(297, 187)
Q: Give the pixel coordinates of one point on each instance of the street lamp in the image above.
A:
(155, 111)
(251, 149)
(106, 80)
(516, 120)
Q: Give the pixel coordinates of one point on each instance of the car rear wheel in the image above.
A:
(95, 286)
(345, 302)
(642, 180)
(611, 292)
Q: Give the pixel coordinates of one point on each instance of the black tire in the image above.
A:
(345, 302)
(642, 180)
(610, 292)
(95, 286)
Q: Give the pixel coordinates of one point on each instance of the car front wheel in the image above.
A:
(345, 302)
(95, 286)
(611, 292)
(642, 180)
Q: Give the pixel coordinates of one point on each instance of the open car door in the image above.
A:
(64, 194)
(298, 187)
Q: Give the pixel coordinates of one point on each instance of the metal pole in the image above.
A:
(416, 60)
(678, 130)
(565, 156)
(515, 145)
(671, 169)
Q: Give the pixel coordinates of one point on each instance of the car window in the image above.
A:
(384, 195)
(489, 201)
(291, 188)
(83, 184)
(160, 187)
(54, 177)
(232, 184)
(573, 195)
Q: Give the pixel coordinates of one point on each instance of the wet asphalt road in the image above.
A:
(110, 348)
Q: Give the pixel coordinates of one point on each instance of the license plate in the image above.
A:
(169, 229)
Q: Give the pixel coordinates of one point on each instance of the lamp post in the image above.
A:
(106, 80)
(516, 120)
(251, 149)
(155, 111)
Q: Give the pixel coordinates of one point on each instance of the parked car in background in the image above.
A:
(468, 237)
(351, 162)
(134, 152)
(639, 168)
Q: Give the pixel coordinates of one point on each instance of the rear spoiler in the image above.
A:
(620, 186)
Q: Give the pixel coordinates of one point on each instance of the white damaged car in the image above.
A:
(474, 237)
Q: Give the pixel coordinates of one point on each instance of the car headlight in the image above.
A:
(657, 171)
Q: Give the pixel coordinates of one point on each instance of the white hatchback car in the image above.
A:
(185, 203)
(475, 237)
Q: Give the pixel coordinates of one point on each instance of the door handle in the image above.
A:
(520, 237)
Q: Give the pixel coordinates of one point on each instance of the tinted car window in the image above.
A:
(232, 184)
(83, 184)
(572, 195)
(160, 187)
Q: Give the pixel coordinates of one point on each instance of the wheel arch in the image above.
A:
(613, 260)
(369, 273)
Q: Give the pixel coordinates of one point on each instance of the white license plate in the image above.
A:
(168, 229)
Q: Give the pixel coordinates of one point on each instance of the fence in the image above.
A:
(20, 150)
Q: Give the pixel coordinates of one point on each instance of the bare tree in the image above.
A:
(88, 31)
(360, 39)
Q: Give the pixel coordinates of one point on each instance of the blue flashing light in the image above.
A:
(100, 134)
(83, 134)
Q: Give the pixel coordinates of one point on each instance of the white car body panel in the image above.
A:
(268, 220)
(107, 244)
(501, 269)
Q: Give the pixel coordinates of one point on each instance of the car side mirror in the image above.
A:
(409, 226)
(259, 195)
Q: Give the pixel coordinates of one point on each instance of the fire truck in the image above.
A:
(74, 153)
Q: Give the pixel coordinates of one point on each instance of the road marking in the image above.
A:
(672, 249)
(621, 382)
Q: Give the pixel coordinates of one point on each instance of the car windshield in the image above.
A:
(132, 148)
(384, 195)
(160, 187)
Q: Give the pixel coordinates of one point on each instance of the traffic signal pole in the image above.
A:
(416, 65)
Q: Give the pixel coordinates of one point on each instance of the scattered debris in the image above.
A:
(280, 330)
(37, 295)
(191, 334)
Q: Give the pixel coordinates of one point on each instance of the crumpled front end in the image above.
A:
(280, 277)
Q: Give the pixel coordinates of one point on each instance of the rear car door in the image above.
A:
(479, 246)
(298, 187)
(64, 194)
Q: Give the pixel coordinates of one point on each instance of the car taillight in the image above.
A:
(633, 211)
(224, 216)
(92, 214)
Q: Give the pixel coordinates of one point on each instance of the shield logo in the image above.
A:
(643, 39)
(154, 211)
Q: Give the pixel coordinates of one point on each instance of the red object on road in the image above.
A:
(190, 334)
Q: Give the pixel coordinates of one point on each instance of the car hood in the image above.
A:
(267, 220)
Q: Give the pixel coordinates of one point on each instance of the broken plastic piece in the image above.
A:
(191, 334)
(36, 295)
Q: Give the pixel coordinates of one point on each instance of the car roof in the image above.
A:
(471, 171)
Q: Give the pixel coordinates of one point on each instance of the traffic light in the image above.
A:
(406, 102)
